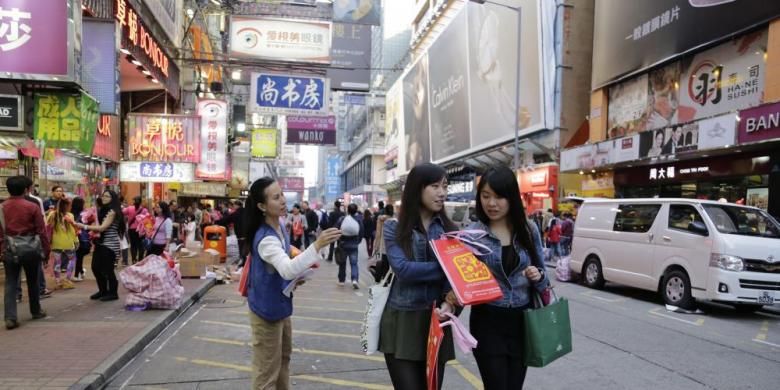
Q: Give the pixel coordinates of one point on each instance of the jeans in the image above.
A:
(80, 253)
(136, 246)
(370, 245)
(103, 267)
(32, 268)
(555, 249)
(309, 239)
(331, 251)
(41, 281)
(352, 255)
(565, 245)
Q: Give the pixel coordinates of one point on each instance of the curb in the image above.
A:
(98, 377)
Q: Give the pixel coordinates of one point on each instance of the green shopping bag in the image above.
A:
(546, 333)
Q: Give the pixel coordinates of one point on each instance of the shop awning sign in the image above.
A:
(280, 39)
(156, 172)
(289, 94)
(157, 137)
(66, 121)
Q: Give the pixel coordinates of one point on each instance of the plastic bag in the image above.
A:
(152, 283)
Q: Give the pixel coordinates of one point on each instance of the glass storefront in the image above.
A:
(733, 189)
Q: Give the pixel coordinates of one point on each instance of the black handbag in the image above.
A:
(20, 248)
(341, 255)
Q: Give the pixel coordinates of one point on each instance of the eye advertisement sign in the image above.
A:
(213, 140)
(280, 39)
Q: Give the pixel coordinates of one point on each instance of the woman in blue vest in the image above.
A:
(270, 272)
(419, 280)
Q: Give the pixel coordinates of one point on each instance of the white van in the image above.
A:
(685, 249)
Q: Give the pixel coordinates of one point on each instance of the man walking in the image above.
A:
(312, 222)
(333, 219)
(236, 218)
(19, 218)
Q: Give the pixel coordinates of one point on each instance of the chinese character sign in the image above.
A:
(66, 121)
(30, 28)
(155, 137)
(289, 94)
(156, 172)
(264, 142)
(213, 140)
(280, 39)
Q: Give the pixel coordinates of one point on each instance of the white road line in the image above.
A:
(698, 322)
(767, 343)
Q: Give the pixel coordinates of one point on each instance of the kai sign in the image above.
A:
(163, 138)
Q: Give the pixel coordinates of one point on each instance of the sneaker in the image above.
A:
(39, 315)
(78, 278)
(109, 297)
(340, 284)
(11, 324)
(355, 284)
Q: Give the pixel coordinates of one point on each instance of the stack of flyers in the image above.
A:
(470, 278)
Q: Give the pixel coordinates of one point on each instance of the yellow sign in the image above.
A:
(471, 269)
(264, 143)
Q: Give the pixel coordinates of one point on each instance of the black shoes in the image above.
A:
(11, 324)
(39, 315)
(109, 297)
(96, 295)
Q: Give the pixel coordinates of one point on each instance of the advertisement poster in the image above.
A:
(577, 158)
(357, 11)
(725, 78)
(449, 92)
(669, 141)
(280, 39)
(350, 68)
(717, 132)
(311, 130)
(627, 112)
(288, 94)
(264, 143)
(758, 197)
(394, 122)
(213, 163)
(66, 121)
(158, 137)
(493, 69)
(663, 96)
(416, 115)
(99, 63)
(625, 149)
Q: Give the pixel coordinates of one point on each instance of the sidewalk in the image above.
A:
(82, 342)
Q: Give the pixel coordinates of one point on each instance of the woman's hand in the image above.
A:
(533, 274)
(452, 299)
(327, 237)
(442, 310)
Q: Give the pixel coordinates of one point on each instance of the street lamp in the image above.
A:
(516, 154)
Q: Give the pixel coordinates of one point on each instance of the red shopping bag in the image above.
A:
(470, 278)
(435, 338)
(243, 283)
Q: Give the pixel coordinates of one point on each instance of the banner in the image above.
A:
(66, 121)
(264, 143)
(311, 130)
(351, 65)
(291, 184)
(630, 36)
(287, 94)
(333, 178)
(357, 11)
(159, 137)
(725, 78)
(417, 148)
(280, 39)
(156, 172)
(213, 163)
(759, 124)
(718, 132)
(100, 66)
(394, 124)
(107, 138)
(669, 141)
(11, 113)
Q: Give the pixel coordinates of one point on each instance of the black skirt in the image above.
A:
(498, 330)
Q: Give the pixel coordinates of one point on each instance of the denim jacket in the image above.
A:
(515, 286)
(419, 281)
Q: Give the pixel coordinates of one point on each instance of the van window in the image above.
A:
(635, 218)
(742, 220)
(682, 215)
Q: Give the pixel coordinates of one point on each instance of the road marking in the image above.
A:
(327, 320)
(348, 301)
(310, 378)
(306, 351)
(295, 332)
(226, 324)
(589, 294)
(466, 374)
(764, 330)
(767, 343)
(698, 322)
(222, 341)
(328, 309)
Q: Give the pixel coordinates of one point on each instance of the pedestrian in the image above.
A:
(110, 225)
(64, 242)
(567, 233)
(130, 213)
(554, 236)
(516, 248)
(271, 270)
(85, 246)
(351, 234)
(19, 220)
(419, 281)
(57, 193)
(296, 226)
(369, 231)
(312, 222)
(198, 214)
(380, 264)
(333, 218)
(163, 229)
(236, 218)
(44, 292)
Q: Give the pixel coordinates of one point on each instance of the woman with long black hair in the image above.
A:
(516, 263)
(162, 232)
(111, 226)
(419, 280)
(85, 246)
(271, 270)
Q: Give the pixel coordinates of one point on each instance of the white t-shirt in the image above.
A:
(190, 229)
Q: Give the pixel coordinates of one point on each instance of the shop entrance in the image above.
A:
(732, 189)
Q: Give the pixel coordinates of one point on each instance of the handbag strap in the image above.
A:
(2, 218)
(158, 230)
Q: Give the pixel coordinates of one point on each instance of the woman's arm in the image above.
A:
(544, 282)
(407, 270)
(106, 223)
(168, 231)
(272, 252)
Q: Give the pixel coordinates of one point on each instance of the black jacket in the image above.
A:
(311, 221)
(333, 218)
(237, 219)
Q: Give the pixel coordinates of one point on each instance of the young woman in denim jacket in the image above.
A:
(419, 280)
(516, 255)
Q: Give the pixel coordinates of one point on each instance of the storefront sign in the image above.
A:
(11, 113)
(717, 132)
(107, 138)
(351, 65)
(204, 189)
(333, 178)
(157, 137)
(760, 123)
(287, 94)
(291, 184)
(264, 143)
(66, 121)
(280, 39)
(100, 64)
(289, 163)
(137, 39)
(156, 172)
(213, 140)
(30, 29)
(742, 164)
(311, 130)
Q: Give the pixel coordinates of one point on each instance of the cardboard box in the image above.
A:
(194, 267)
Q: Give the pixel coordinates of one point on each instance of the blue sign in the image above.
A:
(156, 170)
(289, 94)
(333, 178)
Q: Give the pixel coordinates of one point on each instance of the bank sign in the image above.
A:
(759, 124)
(288, 94)
(311, 130)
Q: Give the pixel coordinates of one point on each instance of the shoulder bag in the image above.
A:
(19, 248)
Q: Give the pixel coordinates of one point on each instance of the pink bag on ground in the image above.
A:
(152, 283)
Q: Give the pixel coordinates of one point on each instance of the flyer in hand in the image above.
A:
(470, 278)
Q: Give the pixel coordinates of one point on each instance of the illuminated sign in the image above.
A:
(156, 137)
(213, 140)
(156, 172)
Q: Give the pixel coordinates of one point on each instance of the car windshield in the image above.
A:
(742, 220)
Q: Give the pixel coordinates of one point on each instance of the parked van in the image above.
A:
(461, 213)
(685, 249)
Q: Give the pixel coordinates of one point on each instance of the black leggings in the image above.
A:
(136, 246)
(409, 374)
(501, 372)
(103, 261)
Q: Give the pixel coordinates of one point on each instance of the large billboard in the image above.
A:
(280, 39)
(394, 125)
(416, 121)
(159, 137)
(357, 11)
(351, 65)
(213, 140)
(100, 64)
(630, 36)
(289, 94)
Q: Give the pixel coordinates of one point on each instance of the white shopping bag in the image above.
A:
(377, 299)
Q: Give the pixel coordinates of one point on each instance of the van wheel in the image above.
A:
(676, 290)
(591, 273)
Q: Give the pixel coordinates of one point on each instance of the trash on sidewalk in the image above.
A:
(680, 310)
(151, 283)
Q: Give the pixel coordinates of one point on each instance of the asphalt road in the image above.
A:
(623, 339)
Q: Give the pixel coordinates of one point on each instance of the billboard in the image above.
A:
(264, 143)
(107, 142)
(159, 137)
(213, 163)
(333, 178)
(100, 66)
(416, 122)
(156, 172)
(351, 65)
(288, 94)
(280, 39)
(357, 11)
(66, 121)
(311, 130)
(394, 124)
(630, 36)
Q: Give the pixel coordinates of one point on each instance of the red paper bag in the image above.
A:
(435, 338)
(470, 278)
(243, 283)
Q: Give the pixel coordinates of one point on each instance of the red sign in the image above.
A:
(158, 137)
(435, 338)
(470, 278)
(292, 184)
(107, 146)
(759, 123)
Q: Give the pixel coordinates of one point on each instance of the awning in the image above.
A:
(9, 145)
